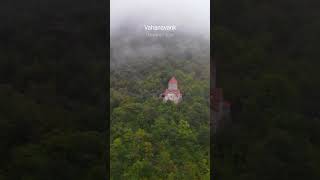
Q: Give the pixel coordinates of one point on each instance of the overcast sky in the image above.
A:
(187, 15)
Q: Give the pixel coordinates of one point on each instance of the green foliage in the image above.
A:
(151, 139)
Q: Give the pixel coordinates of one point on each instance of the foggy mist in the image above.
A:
(187, 15)
(128, 35)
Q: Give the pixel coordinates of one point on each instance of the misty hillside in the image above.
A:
(151, 139)
(128, 46)
(129, 39)
(173, 139)
(53, 60)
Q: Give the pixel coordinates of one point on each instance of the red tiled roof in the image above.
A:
(173, 80)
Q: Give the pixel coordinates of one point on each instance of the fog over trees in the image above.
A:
(128, 34)
(53, 60)
(151, 139)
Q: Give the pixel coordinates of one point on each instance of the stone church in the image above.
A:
(172, 93)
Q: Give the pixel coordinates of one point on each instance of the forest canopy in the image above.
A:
(53, 60)
(151, 139)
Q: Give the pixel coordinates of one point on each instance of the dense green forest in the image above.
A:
(268, 61)
(53, 91)
(151, 139)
